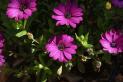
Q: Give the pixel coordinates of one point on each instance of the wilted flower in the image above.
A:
(21, 9)
(68, 14)
(61, 47)
(118, 3)
(112, 41)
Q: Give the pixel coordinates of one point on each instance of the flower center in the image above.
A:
(68, 15)
(113, 44)
(61, 47)
(23, 7)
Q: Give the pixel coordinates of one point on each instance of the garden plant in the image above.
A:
(61, 40)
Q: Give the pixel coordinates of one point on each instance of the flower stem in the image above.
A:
(24, 25)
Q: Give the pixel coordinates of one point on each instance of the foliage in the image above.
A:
(26, 39)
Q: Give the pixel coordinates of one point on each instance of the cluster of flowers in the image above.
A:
(62, 47)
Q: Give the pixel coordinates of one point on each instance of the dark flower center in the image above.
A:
(113, 45)
(68, 15)
(23, 7)
(61, 47)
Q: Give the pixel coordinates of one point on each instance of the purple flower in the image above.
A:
(68, 14)
(2, 60)
(21, 9)
(112, 41)
(61, 47)
(118, 3)
(2, 40)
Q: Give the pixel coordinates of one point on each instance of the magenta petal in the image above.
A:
(51, 54)
(61, 58)
(113, 50)
(57, 54)
(70, 50)
(14, 5)
(58, 17)
(75, 10)
(73, 46)
(77, 14)
(76, 19)
(116, 36)
(72, 24)
(67, 38)
(105, 43)
(108, 36)
(58, 12)
(67, 55)
(28, 12)
(60, 23)
(32, 5)
(51, 47)
(61, 7)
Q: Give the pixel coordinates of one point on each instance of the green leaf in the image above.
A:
(106, 57)
(84, 40)
(45, 80)
(81, 67)
(47, 70)
(22, 33)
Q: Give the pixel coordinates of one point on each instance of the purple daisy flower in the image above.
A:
(2, 40)
(118, 3)
(61, 47)
(68, 14)
(112, 41)
(21, 9)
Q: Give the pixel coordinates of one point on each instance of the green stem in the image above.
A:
(44, 77)
(24, 25)
(17, 25)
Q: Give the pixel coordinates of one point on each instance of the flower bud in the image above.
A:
(30, 36)
(108, 5)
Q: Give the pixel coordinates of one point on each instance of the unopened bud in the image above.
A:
(30, 36)
(108, 5)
